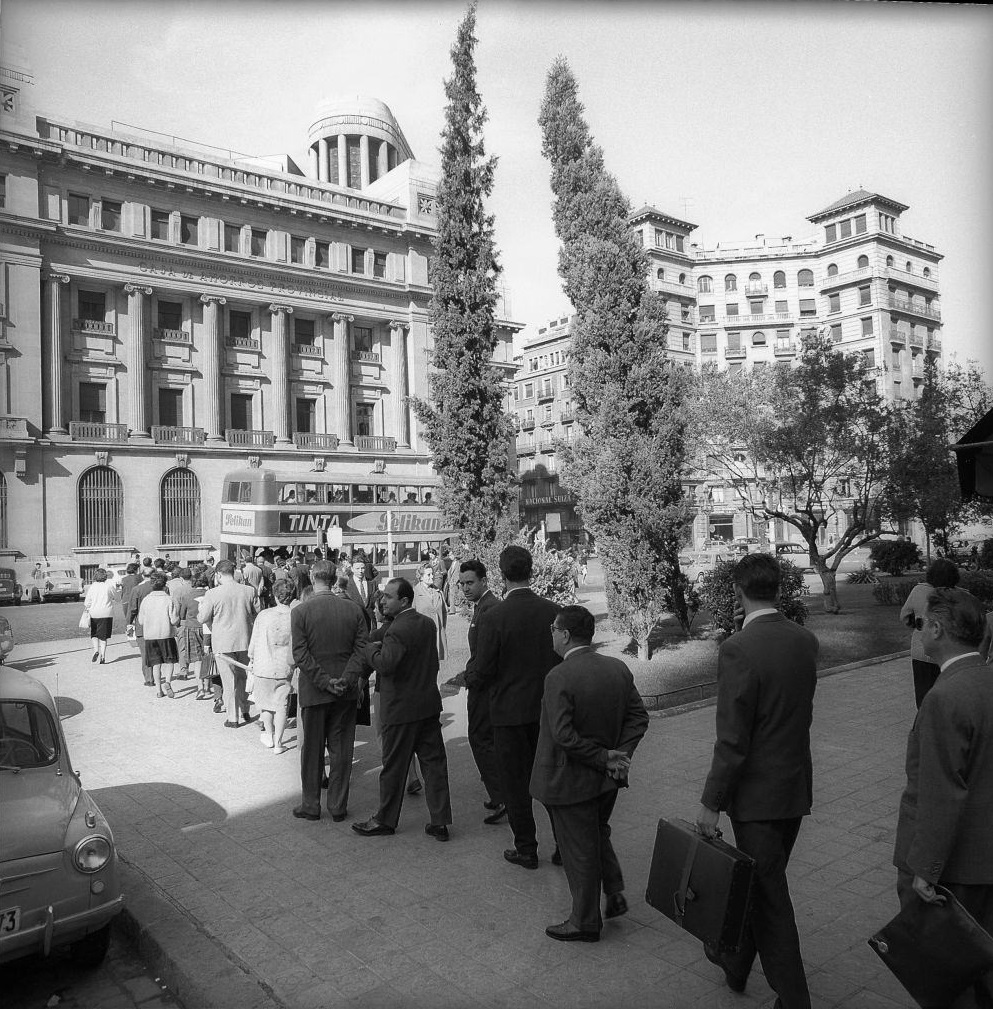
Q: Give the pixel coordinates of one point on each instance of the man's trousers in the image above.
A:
(583, 833)
(480, 732)
(400, 742)
(330, 726)
(515, 747)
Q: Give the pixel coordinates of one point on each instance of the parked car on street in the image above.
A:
(10, 590)
(6, 639)
(60, 583)
(796, 553)
(58, 864)
(695, 563)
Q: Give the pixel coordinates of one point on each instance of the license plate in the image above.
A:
(64, 585)
(10, 920)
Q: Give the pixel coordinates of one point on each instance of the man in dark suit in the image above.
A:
(513, 655)
(135, 597)
(943, 831)
(592, 718)
(329, 636)
(476, 588)
(761, 772)
(362, 586)
(406, 664)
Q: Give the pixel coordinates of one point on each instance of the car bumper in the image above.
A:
(43, 936)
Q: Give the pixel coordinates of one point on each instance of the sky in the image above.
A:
(743, 118)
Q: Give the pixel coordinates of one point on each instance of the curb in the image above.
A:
(199, 969)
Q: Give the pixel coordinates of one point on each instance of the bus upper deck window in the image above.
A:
(288, 493)
(362, 493)
(313, 494)
(339, 493)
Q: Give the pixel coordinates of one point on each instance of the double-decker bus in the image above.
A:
(396, 524)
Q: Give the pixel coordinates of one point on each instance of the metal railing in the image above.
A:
(249, 439)
(766, 319)
(312, 441)
(851, 277)
(903, 305)
(165, 434)
(755, 288)
(375, 443)
(85, 430)
(784, 348)
(734, 353)
(93, 326)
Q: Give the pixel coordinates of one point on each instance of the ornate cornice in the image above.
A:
(277, 309)
(399, 324)
(213, 299)
(341, 317)
(58, 278)
(137, 289)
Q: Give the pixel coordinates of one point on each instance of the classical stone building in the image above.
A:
(858, 280)
(174, 315)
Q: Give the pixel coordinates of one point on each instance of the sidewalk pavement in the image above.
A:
(240, 904)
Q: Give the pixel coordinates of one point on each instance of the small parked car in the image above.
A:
(58, 864)
(796, 553)
(60, 583)
(10, 589)
(695, 563)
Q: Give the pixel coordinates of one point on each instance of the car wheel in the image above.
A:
(91, 950)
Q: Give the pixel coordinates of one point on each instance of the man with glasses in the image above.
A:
(592, 718)
(943, 830)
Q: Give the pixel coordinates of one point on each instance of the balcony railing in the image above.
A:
(311, 441)
(93, 326)
(85, 430)
(307, 350)
(766, 319)
(527, 424)
(917, 368)
(164, 434)
(851, 277)
(914, 279)
(178, 335)
(785, 348)
(897, 336)
(934, 343)
(734, 353)
(528, 448)
(567, 416)
(672, 287)
(242, 343)
(903, 305)
(366, 356)
(13, 428)
(249, 439)
(546, 396)
(916, 339)
(756, 289)
(375, 443)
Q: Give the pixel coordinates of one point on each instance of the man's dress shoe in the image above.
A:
(488, 804)
(436, 830)
(734, 981)
(556, 856)
(415, 788)
(301, 814)
(496, 816)
(373, 828)
(516, 857)
(616, 906)
(567, 932)
(338, 817)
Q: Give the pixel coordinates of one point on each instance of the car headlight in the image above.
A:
(92, 853)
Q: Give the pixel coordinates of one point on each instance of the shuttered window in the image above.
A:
(180, 507)
(100, 508)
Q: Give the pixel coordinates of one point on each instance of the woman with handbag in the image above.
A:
(98, 614)
(270, 665)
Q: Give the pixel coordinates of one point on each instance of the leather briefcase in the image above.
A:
(936, 951)
(702, 884)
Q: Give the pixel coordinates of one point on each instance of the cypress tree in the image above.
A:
(626, 467)
(465, 422)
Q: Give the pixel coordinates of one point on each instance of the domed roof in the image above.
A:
(354, 105)
(357, 111)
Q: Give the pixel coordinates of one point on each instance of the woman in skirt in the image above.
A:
(157, 615)
(270, 665)
(189, 636)
(99, 605)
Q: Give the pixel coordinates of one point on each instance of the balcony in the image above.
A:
(897, 335)
(527, 424)
(85, 430)
(176, 335)
(546, 396)
(13, 428)
(94, 326)
(785, 348)
(916, 339)
(766, 319)
(528, 448)
(917, 367)
(934, 343)
(164, 434)
(375, 443)
(903, 305)
(735, 354)
(567, 416)
(755, 289)
(242, 343)
(307, 350)
(851, 277)
(310, 441)
(366, 357)
(249, 439)
(913, 279)
(671, 287)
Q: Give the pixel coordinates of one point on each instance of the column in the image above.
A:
(314, 163)
(280, 373)
(384, 159)
(400, 383)
(342, 160)
(323, 159)
(137, 359)
(341, 391)
(55, 340)
(211, 355)
(364, 160)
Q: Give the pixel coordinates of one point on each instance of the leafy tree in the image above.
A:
(625, 468)
(807, 445)
(894, 556)
(716, 592)
(465, 423)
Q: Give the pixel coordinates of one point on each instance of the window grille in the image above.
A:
(101, 508)
(180, 507)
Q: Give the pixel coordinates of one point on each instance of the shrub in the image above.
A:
(894, 556)
(980, 584)
(716, 592)
(986, 555)
(892, 593)
(864, 576)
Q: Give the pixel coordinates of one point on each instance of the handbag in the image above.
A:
(936, 951)
(84, 620)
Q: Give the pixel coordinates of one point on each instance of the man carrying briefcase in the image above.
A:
(761, 773)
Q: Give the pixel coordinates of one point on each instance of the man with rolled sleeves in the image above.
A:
(943, 830)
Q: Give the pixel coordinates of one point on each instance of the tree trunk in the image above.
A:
(644, 652)
(829, 580)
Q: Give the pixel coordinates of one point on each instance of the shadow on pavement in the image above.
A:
(68, 706)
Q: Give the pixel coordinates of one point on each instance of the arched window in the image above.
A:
(754, 278)
(180, 497)
(660, 274)
(705, 284)
(805, 278)
(832, 270)
(100, 508)
(682, 278)
(863, 262)
(3, 511)
(889, 261)
(730, 282)
(926, 271)
(910, 266)
(758, 339)
(779, 279)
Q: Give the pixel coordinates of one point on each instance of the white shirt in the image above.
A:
(758, 613)
(964, 655)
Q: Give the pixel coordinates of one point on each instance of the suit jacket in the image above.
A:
(406, 665)
(128, 584)
(513, 655)
(229, 611)
(488, 601)
(329, 636)
(590, 705)
(134, 604)
(766, 676)
(946, 811)
(367, 605)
